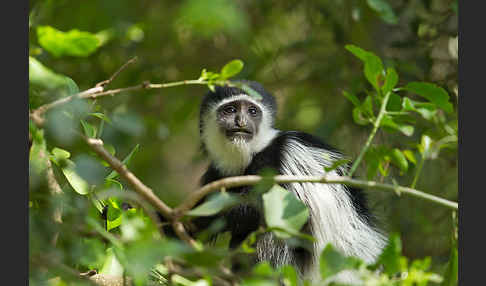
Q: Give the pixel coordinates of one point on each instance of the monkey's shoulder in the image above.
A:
(285, 137)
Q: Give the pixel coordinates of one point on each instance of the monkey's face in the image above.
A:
(239, 120)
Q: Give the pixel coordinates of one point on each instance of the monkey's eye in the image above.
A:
(252, 110)
(230, 109)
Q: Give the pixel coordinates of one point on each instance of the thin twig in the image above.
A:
(37, 115)
(376, 125)
(108, 81)
(417, 172)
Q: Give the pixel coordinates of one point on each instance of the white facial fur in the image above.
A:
(231, 157)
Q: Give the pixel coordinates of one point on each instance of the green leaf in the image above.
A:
(38, 151)
(432, 92)
(90, 169)
(384, 10)
(101, 116)
(409, 155)
(289, 276)
(399, 159)
(390, 256)
(214, 204)
(332, 262)
(110, 148)
(259, 281)
(72, 43)
(405, 129)
(41, 75)
(78, 183)
(132, 228)
(110, 182)
(425, 146)
(351, 97)
(283, 210)
(222, 240)
(99, 204)
(114, 216)
(373, 67)
(359, 118)
(209, 76)
(372, 158)
(246, 245)
(231, 69)
(250, 91)
(89, 130)
(336, 164)
(425, 109)
(111, 266)
(394, 103)
(125, 162)
(46, 85)
(263, 269)
(367, 106)
(451, 272)
(391, 80)
(58, 155)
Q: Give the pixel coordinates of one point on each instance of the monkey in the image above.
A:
(238, 136)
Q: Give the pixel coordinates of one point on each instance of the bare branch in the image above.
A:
(182, 233)
(99, 91)
(139, 187)
(239, 181)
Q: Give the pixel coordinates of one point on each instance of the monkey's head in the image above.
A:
(234, 125)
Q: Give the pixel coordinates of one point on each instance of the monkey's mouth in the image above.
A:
(239, 132)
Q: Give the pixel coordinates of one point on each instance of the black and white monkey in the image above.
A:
(238, 136)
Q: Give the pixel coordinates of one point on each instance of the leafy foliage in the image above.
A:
(72, 43)
(284, 211)
(297, 48)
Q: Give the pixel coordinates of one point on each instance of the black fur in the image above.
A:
(244, 219)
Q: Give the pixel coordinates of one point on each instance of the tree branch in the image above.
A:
(139, 187)
(239, 181)
(37, 115)
(181, 232)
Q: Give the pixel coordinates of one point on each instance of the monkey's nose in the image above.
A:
(240, 121)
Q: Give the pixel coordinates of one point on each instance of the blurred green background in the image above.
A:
(295, 49)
